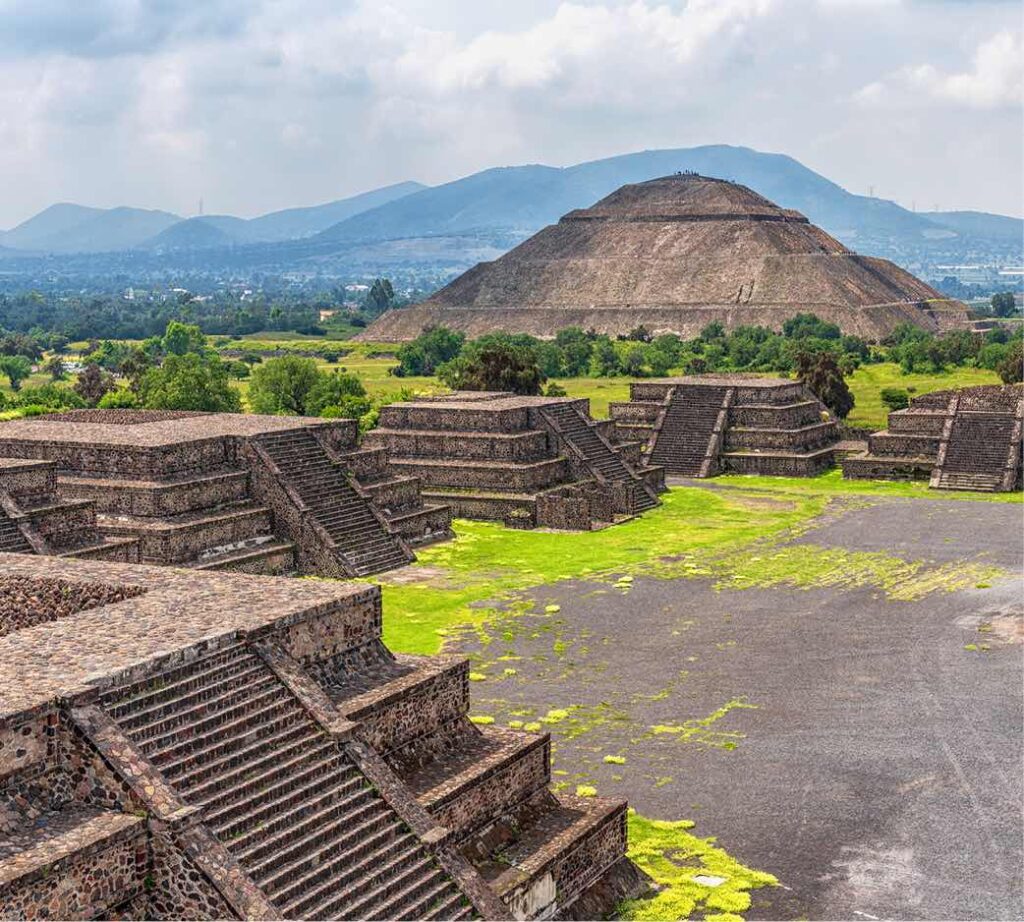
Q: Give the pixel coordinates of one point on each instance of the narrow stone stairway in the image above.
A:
(575, 429)
(682, 443)
(11, 538)
(281, 795)
(977, 452)
(344, 514)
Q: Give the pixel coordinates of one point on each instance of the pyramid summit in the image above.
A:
(674, 254)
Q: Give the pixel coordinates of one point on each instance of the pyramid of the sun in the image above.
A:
(674, 254)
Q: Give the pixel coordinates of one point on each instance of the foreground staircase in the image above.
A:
(11, 538)
(282, 796)
(682, 443)
(574, 427)
(361, 538)
(978, 452)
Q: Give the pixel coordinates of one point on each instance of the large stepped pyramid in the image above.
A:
(702, 425)
(258, 494)
(525, 461)
(673, 255)
(238, 746)
(968, 439)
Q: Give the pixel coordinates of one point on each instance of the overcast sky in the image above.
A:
(263, 104)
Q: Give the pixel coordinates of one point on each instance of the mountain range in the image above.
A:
(489, 211)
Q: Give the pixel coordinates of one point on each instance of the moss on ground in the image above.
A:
(732, 533)
(696, 876)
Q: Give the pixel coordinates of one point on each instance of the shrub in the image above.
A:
(554, 389)
(496, 366)
(895, 398)
(1011, 369)
(93, 383)
(821, 375)
(189, 382)
(120, 398)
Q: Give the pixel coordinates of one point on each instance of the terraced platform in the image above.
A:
(272, 495)
(968, 439)
(525, 461)
(178, 744)
(703, 425)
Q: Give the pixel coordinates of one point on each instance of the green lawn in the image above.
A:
(868, 381)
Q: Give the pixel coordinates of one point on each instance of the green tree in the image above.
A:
(495, 366)
(577, 350)
(804, 326)
(1011, 369)
(821, 375)
(120, 398)
(189, 382)
(606, 358)
(55, 368)
(180, 338)
(425, 354)
(92, 383)
(380, 296)
(280, 386)
(17, 368)
(337, 389)
(1003, 304)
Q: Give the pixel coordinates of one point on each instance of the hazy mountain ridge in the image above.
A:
(453, 225)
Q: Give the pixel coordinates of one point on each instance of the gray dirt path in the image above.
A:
(846, 743)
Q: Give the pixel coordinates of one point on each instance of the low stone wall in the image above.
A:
(440, 416)
(793, 416)
(800, 440)
(28, 478)
(27, 601)
(465, 446)
(97, 870)
(778, 465)
(64, 525)
(896, 444)
(874, 468)
(202, 491)
(636, 412)
(913, 423)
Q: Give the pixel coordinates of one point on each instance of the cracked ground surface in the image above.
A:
(861, 743)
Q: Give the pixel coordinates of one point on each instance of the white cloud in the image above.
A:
(995, 80)
(259, 104)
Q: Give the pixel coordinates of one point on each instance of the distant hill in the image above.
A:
(980, 224)
(199, 232)
(293, 223)
(69, 228)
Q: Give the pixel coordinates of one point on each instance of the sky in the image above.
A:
(255, 105)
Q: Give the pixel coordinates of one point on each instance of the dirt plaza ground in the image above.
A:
(836, 700)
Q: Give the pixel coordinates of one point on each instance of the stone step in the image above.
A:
(303, 897)
(163, 497)
(249, 765)
(215, 682)
(264, 557)
(200, 714)
(393, 890)
(170, 683)
(303, 789)
(221, 738)
(253, 850)
(501, 476)
(482, 775)
(185, 537)
(454, 907)
(412, 701)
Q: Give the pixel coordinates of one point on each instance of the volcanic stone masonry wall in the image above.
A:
(95, 820)
(968, 439)
(702, 425)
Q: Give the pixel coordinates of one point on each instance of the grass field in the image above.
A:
(364, 360)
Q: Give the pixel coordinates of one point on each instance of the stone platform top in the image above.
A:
(727, 380)
(494, 400)
(147, 428)
(175, 609)
(20, 464)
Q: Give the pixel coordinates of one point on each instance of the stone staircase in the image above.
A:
(361, 538)
(683, 441)
(598, 454)
(282, 796)
(977, 453)
(11, 538)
